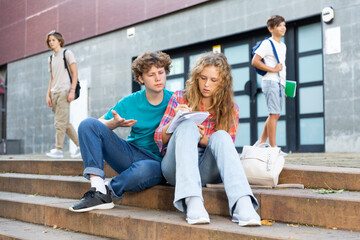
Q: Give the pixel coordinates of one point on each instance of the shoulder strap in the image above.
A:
(50, 63)
(274, 50)
(66, 66)
(277, 59)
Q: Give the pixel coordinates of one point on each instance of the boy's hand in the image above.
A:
(71, 96)
(48, 100)
(122, 122)
(278, 67)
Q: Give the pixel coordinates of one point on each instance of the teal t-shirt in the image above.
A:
(137, 107)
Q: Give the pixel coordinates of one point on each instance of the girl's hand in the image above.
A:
(203, 139)
(183, 108)
(201, 130)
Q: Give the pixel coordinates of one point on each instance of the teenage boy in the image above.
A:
(137, 159)
(273, 82)
(61, 92)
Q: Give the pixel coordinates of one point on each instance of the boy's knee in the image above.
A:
(87, 123)
(275, 116)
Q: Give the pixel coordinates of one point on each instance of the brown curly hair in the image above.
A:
(145, 61)
(57, 35)
(223, 99)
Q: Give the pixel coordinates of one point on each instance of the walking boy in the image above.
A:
(137, 160)
(273, 82)
(61, 92)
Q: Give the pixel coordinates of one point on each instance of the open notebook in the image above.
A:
(197, 117)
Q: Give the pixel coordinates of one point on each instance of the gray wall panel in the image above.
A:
(107, 61)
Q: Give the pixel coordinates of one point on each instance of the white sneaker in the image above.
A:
(284, 154)
(55, 153)
(77, 153)
(259, 144)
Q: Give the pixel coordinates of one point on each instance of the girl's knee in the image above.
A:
(220, 138)
(187, 124)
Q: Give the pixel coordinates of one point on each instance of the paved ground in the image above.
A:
(318, 159)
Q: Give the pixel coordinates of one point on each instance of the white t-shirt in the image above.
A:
(266, 52)
(61, 81)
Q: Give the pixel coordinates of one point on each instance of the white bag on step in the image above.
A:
(262, 165)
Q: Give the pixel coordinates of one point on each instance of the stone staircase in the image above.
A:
(35, 195)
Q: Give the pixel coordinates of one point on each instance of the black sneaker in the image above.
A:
(93, 200)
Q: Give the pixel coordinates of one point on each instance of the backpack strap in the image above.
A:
(66, 66)
(274, 50)
(50, 63)
(277, 59)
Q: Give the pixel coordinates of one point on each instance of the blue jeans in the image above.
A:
(138, 169)
(189, 168)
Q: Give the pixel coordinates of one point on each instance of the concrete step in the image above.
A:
(286, 205)
(134, 223)
(310, 176)
(322, 176)
(12, 229)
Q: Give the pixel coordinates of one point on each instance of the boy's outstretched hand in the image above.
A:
(122, 122)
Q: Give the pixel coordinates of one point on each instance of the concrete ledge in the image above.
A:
(286, 205)
(306, 207)
(135, 223)
(11, 229)
(310, 176)
(322, 177)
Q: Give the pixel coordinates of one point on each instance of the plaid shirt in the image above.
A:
(209, 123)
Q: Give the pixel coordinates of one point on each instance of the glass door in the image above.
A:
(238, 57)
(310, 90)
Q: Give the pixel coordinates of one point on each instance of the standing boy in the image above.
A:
(61, 92)
(273, 82)
(137, 160)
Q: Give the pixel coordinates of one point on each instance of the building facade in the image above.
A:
(322, 58)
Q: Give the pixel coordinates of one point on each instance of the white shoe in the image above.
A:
(201, 220)
(284, 154)
(77, 153)
(259, 144)
(248, 223)
(55, 153)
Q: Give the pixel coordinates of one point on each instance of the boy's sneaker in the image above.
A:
(55, 153)
(77, 153)
(93, 200)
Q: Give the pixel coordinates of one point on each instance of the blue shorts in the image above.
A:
(272, 95)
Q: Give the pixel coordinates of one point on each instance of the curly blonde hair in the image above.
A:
(145, 61)
(223, 99)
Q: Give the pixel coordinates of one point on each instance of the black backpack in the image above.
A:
(77, 89)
